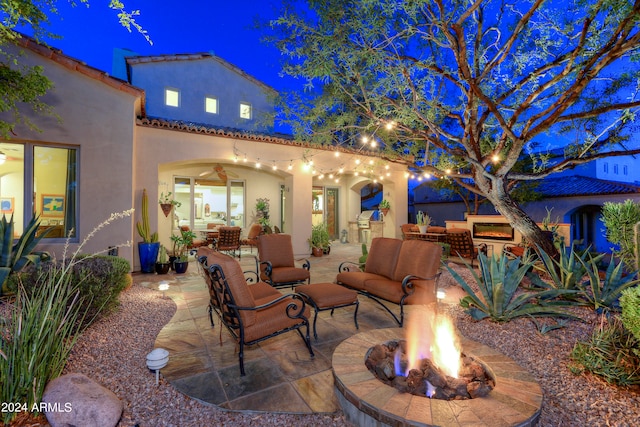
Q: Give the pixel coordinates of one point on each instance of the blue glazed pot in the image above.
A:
(148, 253)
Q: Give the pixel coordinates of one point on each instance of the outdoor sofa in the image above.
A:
(396, 271)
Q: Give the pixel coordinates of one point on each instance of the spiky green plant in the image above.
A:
(609, 353)
(567, 271)
(14, 258)
(43, 330)
(603, 293)
(144, 228)
(499, 281)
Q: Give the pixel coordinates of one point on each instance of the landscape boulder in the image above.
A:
(77, 400)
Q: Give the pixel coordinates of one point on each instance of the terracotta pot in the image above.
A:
(166, 208)
(385, 211)
(316, 251)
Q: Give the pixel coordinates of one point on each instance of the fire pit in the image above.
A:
(366, 400)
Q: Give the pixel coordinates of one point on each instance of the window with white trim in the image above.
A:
(171, 97)
(211, 105)
(245, 110)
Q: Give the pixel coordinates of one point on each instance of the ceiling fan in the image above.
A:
(4, 157)
(217, 173)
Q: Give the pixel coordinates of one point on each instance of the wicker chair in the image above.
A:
(275, 262)
(462, 244)
(229, 240)
(251, 312)
(252, 238)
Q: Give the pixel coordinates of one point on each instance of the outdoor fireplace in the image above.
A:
(493, 231)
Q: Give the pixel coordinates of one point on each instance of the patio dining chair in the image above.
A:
(251, 312)
(462, 244)
(229, 240)
(252, 237)
(275, 263)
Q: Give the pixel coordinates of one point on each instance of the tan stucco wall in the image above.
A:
(100, 120)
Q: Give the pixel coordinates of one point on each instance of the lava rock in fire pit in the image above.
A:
(429, 380)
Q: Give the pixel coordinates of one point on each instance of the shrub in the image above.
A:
(619, 219)
(630, 303)
(99, 279)
(609, 354)
(499, 282)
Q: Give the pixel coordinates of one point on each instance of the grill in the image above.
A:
(364, 218)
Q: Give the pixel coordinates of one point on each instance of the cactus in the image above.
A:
(144, 227)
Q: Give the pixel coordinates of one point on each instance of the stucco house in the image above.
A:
(157, 129)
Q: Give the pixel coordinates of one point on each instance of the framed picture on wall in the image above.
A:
(52, 205)
(6, 205)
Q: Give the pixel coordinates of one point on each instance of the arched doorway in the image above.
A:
(586, 227)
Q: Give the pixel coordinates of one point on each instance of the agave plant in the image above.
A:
(603, 293)
(499, 281)
(568, 270)
(14, 257)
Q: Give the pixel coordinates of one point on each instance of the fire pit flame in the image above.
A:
(431, 337)
(429, 362)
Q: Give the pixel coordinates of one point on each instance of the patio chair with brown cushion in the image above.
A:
(229, 240)
(251, 312)
(252, 238)
(275, 261)
(408, 228)
(462, 244)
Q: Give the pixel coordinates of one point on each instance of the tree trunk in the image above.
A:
(520, 221)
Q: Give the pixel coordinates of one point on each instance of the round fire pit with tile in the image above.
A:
(516, 399)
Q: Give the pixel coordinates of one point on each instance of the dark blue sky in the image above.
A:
(187, 26)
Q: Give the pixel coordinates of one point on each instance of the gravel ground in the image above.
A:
(113, 351)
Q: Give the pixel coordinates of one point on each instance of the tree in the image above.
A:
(23, 85)
(460, 84)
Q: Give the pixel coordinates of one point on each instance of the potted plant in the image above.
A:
(181, 243)
(422, 221)
(148, 248)
(262, 212)
(162, 265)
(319, 241)
(167, 203)
(384, 206)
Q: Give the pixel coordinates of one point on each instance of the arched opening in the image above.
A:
(586, 228)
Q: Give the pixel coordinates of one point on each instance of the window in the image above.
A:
(245, 110)
(606, 167)
(50, 190)
(615, 169)
(211, 105)
(172, 97)
(207, 201)
(625, 170)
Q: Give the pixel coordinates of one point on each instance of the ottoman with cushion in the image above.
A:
(328, 296)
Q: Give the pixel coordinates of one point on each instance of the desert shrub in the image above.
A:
(630, 303)
(609, 354)
(99, 278)
(619, 219)
(502, 299)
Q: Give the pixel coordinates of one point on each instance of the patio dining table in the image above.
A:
(431, 237)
